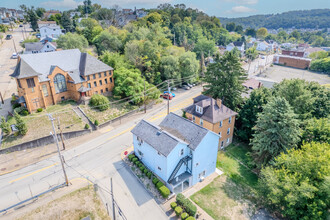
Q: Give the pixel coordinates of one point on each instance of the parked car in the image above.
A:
(166, 92)
(167, 96)
(185, 87)
(9, 36)
(173, 88)
(187, 84)
(14, 56)
(263, 57)
(20, 25)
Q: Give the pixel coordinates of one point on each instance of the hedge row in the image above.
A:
(179, 212)
(190, 208)
(163, 190)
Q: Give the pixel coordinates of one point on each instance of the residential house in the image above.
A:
(20, 14)
(44, 79)
(294, 52)
(47, 39)
(292, 61)
(46, 23)
(140, 13)
(49, 13)
(239, 45)
(39, 47)
(264, 46)
(251, 42)
(180, 152)
(213, 115)
(51, 31)
(311, 50)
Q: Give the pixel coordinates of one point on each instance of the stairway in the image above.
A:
(178, 166)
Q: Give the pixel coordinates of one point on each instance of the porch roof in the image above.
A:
(182, 177)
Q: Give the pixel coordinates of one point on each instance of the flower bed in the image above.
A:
(150, 181)
(184, 208)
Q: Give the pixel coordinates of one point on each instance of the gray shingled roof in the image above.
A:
(160, 140)
(68, 60)
(33, 46)
(211, 111)
(184, 129)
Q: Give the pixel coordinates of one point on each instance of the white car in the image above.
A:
(14, 56)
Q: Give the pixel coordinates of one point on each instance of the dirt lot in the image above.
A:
(278, 73)
(76, 205)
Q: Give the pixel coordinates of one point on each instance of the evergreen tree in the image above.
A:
(20, 124)
(5, 126)
(66, 21)
(276, 131)
(225, 78)
(33, 18)
(247, 117)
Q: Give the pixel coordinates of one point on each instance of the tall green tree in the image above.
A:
(72, 41)
(20, 124)
(66, 21)
(188, 66)
(277, 130)
(40, 12)
(106, 41)
(248, 115)
(262, 33)
(32, 18)
(298, 183)
(205, 46)
(316, 130)
(5, 126)
(224, 80)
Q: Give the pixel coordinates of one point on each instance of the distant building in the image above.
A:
(239, 45)
(291, 61)
(51, 31)
(311, 50)
(46, 23)
(294, 52)
(49, 13)
(264, 46)
(39, 47)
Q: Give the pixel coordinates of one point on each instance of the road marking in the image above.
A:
(123, 132)
(82, 178)
(30, 174)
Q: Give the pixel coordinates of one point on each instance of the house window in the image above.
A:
(106, 81)
(111, 80)
(45, 91)
(95, 84)
(201, 122)
(228, 131)
(181, 152)
(19, 83)
(199, 109)
(140, 153)
(100, 75)
(220, 124)
(105, 73)
(194, 119)
(202, 174)
(62, 98)
(106, 89)
(88, 85)
(30, 83)
(221, 143)
(60, 83)
(94, 76)
(229, 121)
(101, 91)
(197, 164)
(100, 82)
(159, 168)
(110, 73)
(88, 78)
(220, 134)
(228, 139)
(139, 140)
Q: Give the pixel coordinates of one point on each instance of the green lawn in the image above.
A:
(230, 196)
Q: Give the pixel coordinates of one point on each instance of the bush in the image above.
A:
(155, 181)
(86, 126)
(180, 198)
(96, 123)
(39, 110)
(137, 163)
(142, 168)
(134, 159)
(164, 191)
(20, 124)
(178, 211)
(190, 208)
(5, 126)
(190, 218)
(100, 102)
(184, 216)
(131, 156)
(173, 205)
(25, 112)
(159, 184)
(149, 174)
(16, 105)
(145, 171)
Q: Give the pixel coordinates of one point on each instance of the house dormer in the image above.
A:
(199, 109)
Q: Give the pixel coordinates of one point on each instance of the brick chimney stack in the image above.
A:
(219, 103)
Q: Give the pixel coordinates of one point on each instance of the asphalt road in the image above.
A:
(7, 66)
(258, 65)
(98, 160)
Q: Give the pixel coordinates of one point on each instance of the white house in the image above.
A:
(264, 46)
(46, 23)
(39, 47)
(239, 45)
(51, 31)
(180, 152)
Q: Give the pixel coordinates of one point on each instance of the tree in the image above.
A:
(40, 12)
(225, 78)
(115, 60)
(316, 130)
(88, 8)
(247, 117)
(32, 18)
(251, 53)
(321, 65)
(262, 33)
(298, 183)
(153, 18)
(106, 41)
(72, 41)
(295, 34)
(5, 126)
(66, 21)
(230, 26)
(100, 102)
(106, 15)
(169, 67)
(251, 32)
(188, 66)
(239, 29)
(205, 46)
(277, 130)
(319, 55)
(20, 124)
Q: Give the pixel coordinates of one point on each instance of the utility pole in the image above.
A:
(14, 46)
(61, 133)
(113, 201)
(23, 35)
(168, 98)
(1, 98)
(144, 97)
(58, 149)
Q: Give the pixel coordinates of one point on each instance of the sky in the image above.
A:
(219, 8)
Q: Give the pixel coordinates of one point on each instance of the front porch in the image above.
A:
(181, 182)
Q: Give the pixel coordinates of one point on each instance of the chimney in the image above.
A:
(219, 102)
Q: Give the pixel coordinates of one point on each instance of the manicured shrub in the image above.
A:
(190, 218)
(173, 205)
(190, 208)
(16, 105)
(134, 159)
(178, 211)
(180, 198)
(137, 163)
(142, 168)
(39, 110)
(24, 112)
(86, 126)
(131, 156)
(140, 165)
(149, 174)
(96, 123)
(155, 181)
(184, 216)
(100, 102)
(164, 191)
(159, 184)
(145, 171)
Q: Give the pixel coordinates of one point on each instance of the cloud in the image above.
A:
(241, 9)
(244, 2)
(64, 4)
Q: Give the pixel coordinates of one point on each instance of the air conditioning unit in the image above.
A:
(202, 178)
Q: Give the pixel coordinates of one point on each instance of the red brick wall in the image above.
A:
(297, 63)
